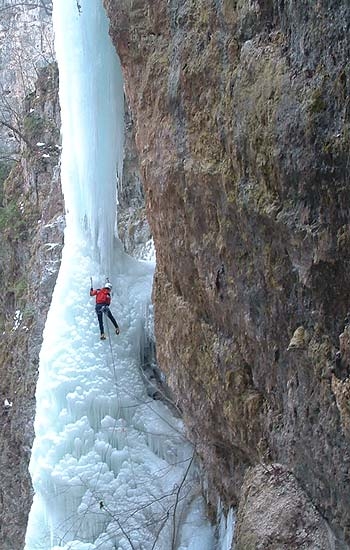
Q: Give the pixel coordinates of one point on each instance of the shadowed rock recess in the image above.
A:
(242, 125)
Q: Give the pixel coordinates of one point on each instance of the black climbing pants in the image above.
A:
(100, 310)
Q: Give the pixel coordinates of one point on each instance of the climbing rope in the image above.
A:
(117, 394)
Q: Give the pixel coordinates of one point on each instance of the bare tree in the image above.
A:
(46, 5)
(28, 47)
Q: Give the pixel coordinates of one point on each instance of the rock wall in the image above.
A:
(31, 224)
(242, 125)
(133, 227)
(274, 513)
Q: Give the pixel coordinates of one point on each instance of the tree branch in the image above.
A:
(177, 501)
(18, 133)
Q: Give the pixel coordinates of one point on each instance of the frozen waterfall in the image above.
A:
(111, 467)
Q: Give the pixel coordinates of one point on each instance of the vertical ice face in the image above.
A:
(92, 103)
(111, 467)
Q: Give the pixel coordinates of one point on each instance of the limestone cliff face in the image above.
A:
(31, 224)
(242, 125)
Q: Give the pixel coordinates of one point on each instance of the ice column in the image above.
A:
(92, 103)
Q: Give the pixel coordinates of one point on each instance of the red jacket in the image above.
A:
(103, 295)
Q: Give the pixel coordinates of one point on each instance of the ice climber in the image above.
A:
(103, 300)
